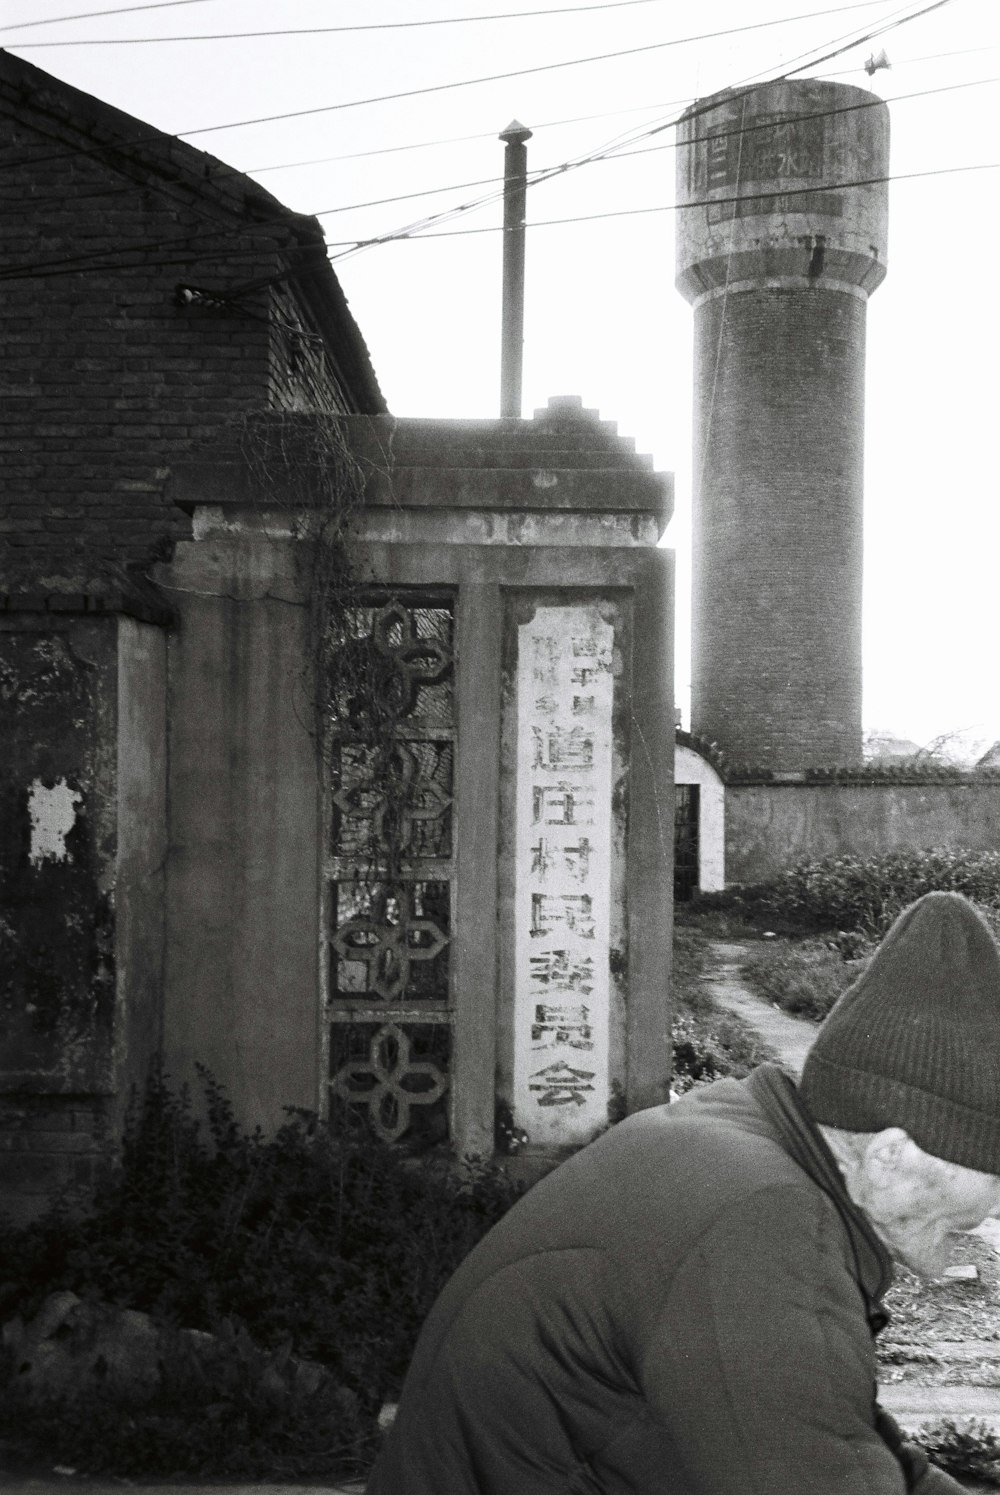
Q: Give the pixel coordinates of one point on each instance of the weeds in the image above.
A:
(864, 893)
(321, 1241)
(968, 1450)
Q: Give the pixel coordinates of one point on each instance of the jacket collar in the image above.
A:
(775, 1092)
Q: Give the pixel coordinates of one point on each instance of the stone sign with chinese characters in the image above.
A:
(562, 886)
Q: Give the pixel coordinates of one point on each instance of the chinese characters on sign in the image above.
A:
(563, 873)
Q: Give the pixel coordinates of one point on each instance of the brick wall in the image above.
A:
(779, 413)
(51, 1147)
(108, 376)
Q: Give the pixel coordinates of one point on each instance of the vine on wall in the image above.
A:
(379, 667)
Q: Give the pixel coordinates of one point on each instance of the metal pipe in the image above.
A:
(515, 177)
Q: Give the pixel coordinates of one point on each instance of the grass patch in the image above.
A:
(803, 977)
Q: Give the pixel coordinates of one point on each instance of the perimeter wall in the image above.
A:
(771, 826)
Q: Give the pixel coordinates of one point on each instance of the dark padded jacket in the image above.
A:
(685, 1307)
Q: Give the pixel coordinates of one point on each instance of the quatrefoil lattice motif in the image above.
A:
(407, 660)
(397, 804)
(388, 942)
(389, 1082)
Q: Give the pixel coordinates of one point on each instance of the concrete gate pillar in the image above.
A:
(509, 977)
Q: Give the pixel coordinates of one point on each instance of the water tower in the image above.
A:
(781, 238)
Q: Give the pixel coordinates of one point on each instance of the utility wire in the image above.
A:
(469, 82)
(902, 176)
(413, 229)
(44, 273)
(409, 230)
(625, 155)
(90, 15)
(869, 36)
(610, 155)
(547, 67)
(551, 124)
(515, 15)
(417, 145)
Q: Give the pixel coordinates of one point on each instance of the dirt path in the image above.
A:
(788, 1037)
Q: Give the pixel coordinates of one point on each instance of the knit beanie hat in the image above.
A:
(915, 1041)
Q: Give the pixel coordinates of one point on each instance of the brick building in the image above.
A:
(199, 863)
(150, 299)
(148, 294)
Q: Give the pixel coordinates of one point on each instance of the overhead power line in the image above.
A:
(305, 31)
(91, 15)
(870, 36)
(546, 67)
(408, 230)
(551, 124)
(609, 154)
(469, 82)
(627, 155)
(45, 272)
(189, 245)
(511, 15)
(903, 176)
(420, 228)
(417, 145)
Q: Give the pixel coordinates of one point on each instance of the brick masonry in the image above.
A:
(777, 565)
(51, 1146)
(150, 300)
(149, 295)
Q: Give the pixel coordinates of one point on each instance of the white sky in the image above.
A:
(602, 317)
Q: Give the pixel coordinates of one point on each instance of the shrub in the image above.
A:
(970, 1450)
(322, 1239)
(866, 893)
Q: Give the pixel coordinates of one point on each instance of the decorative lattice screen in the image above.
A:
(389, 869)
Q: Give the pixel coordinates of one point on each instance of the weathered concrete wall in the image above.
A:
(142, 846)
(58, 855)
(57, 872)
(277, 982)
(242, 947)
(771, 826)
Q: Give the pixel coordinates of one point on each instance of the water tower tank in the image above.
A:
(781, 238)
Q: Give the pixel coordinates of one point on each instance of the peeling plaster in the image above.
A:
(53, 815)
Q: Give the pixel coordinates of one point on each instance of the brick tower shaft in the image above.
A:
(781, 237)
